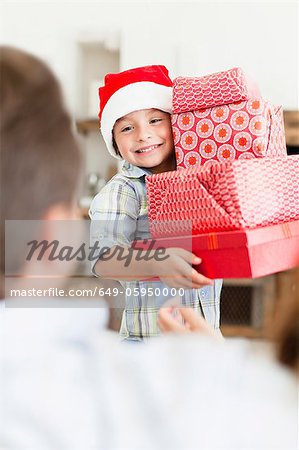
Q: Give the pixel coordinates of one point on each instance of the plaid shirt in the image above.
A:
(119, 215)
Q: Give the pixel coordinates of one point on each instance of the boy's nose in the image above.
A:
(143, 133)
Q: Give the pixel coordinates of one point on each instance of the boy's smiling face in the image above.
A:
(144, 138)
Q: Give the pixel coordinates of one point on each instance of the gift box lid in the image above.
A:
(238, 254)
(227, 239)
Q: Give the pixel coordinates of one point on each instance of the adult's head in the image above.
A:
(40, 159)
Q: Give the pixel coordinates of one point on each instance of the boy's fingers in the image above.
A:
(198, 278)
(185, 276)
(187, 256)
(181, 282)
(184, 282)
(177, 282)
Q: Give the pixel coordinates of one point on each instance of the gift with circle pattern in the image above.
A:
(243, 130)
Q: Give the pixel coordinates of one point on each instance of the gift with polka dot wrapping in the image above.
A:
(224, 197)
(241, 130)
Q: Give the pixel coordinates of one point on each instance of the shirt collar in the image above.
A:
(132, 171)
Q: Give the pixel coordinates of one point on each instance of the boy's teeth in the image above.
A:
(147, 149)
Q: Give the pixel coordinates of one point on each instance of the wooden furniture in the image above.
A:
(247, 315)
(88, 126)
(291, 124)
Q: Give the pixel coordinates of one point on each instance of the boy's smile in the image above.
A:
(148, 149)
(144, 138)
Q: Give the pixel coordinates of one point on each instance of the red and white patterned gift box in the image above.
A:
(224, 197)
(244, 130)
(221, 88)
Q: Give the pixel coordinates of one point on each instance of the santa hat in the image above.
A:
(141, 88)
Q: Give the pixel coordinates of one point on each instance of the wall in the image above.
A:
(194, 37)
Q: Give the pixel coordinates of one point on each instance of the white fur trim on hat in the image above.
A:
(133, 97)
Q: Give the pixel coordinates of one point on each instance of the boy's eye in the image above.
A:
(158, 119)
(128, 128)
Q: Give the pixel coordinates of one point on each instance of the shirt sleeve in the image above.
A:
(114, 213)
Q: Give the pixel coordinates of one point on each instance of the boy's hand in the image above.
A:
(184, 320)
(177, 271)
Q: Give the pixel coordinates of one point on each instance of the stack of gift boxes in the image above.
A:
(235, 195)
(221, 117)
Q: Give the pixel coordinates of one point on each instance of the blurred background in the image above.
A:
(83, 40)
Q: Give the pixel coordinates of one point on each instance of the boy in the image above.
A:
(135, 107)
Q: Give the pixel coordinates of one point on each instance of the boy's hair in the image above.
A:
(115, 146)
(40, 158)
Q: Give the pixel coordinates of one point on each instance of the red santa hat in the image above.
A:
(141, 88)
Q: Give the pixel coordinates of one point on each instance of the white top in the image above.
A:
(66, 384)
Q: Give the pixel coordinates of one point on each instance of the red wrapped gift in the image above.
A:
(239, 254)
(223, 197)
(222, 88)
(244, 130)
